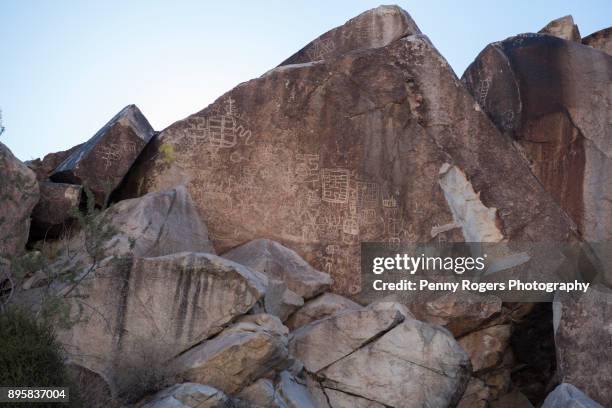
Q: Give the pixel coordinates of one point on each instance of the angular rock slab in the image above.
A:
(321, 157)
(55, 209)
(101, 163)
(189, 395)
(238, 356)
(555, 97)
(160, 306)
(281, 263)
(568, 396)
(45, 167)
(323, 342)
(262, 394)
(460, 312)
(19, 193)
(413, 365)
(486, 347)
(583, 336)
(372, 29)
(158, 224)
(602, 40)
(319, 308)
(563, 28)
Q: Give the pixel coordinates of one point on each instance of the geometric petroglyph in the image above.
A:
(390, 202)
(320, 48)
(307, 167)
(368, 194)
(483, 91)
(335, 183)
(110, 154)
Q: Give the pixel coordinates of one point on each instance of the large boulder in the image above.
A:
(323, 342)
(45, 167)
(460, 312)
(413, 365)
(323, 156)
(371, 29)
(281, 263)
(129, 313)
(254, 347)
(568, 396)
(602, 40)
(319, 308)
(564, 28)
(189, 395)
(553, 97)
(101, 163)
(158, 224)
(55, 211)
(486, 347)
(19, 193)
(583, 336)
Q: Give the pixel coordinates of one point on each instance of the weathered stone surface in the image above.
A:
(413, 365)
(158, 224)
(460, 312)
(18, 195)
(476, 395)
(339, 399)
(513, 399)
(280, 301)
(582, 339)
(486, 347)
(160, 306)
(281, 263)
(55, 209)
(294, 392)
(45, 167)
(262, 393)
(101, 163)
(553, 96)
(320, 307)
(189, 395)
(563, 28)
(568, 396)
(372, 29)
(326, 341)
(240, 355)
(602, 40)
(321, 157)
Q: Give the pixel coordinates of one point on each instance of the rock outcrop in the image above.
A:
(189, 395)
(602, 40)
(55, 210)
(254, 347)
(101, 163)
(568, 396)
(563, 28)
(582, 338)
(321, 157)
(19, 193)
(486, 347)
(372, 29)
(553, 97)
(281, 263)
(319, 308)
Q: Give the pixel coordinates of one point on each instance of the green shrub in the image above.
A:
(29, 353)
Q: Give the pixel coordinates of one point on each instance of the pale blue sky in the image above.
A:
(66, 67)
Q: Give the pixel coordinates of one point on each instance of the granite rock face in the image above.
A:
(372, 29)
(602, 40)
(281, 263)
(238, 356)
(563, 28)
(583, 336)
(319, 308)
(568, 396)
(189, 395)
(101, 163)
(154, 308)
(366, 146)
(55, 210)
(553, 97)
(19, 193)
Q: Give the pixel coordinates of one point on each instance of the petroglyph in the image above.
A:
(335, 184)
(320, 49)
